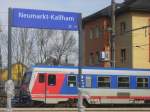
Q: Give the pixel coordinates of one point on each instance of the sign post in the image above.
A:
(9, 43)
(9, 85)
(80, 96)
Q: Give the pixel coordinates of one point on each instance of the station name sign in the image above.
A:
(29, 18)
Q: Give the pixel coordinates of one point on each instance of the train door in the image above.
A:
(54, 85)
(39, 87)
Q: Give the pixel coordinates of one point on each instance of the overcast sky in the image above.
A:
(86, 7)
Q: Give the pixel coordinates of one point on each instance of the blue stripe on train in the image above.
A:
(66, 89)
(113, 85)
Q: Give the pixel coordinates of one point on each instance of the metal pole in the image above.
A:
(113, 33)
(0, 67)
(80, 97)
(0, 58)
(9, 43)
(9, 85)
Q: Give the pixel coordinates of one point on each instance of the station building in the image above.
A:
(132, 39)
(133, 34)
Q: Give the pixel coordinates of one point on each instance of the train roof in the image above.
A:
(88, 67)
(90, 70)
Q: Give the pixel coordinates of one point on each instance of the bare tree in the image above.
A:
(31, 46)
(3, 46)
(22, 46)
(53, 44)
(63, 45)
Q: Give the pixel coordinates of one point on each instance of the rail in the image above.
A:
(76, 110)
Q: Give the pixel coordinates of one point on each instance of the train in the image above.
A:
(61, 85)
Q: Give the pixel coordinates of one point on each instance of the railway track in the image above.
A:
(76, 110)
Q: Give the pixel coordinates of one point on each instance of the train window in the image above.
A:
(142, 82)
(41, 78)
(71, 80)
(51, 80)
(104, 81)
(88, 81)
(123, 82)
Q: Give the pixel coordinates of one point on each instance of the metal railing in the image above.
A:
(76, 110)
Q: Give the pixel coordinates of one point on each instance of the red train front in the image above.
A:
(50, 85)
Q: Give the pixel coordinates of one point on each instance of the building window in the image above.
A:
(123, 82)
(91, 33)
(91, 58)
(122, 27)
(123, 56)
(88, 81)
(52, 80)
(101, 31)
(41, 78)
(104, 82)
(142, 82)
(97, 31)
(71, 80)
(97, 57)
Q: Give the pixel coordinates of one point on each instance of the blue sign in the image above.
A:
(28, 18)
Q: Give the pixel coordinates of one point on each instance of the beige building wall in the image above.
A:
(140, 40)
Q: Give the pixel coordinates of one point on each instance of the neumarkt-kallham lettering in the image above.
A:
(46, 17)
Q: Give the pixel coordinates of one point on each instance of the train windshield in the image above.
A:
(26, 78)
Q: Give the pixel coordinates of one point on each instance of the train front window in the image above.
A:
(123, 82)
(71, 81)
(52, 80)
(142, 82)
(27, 78)
(104, 82)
